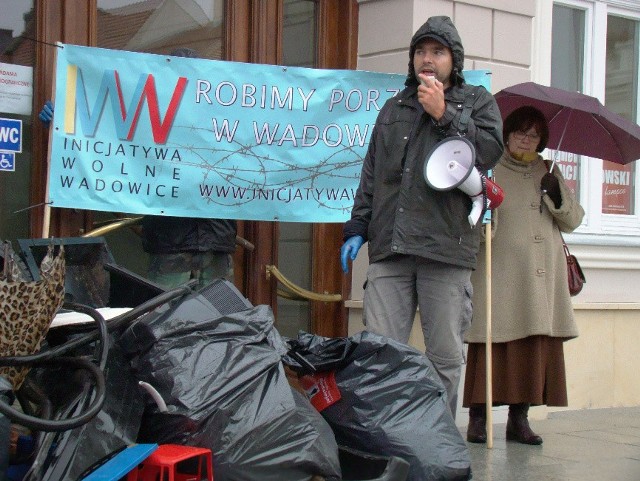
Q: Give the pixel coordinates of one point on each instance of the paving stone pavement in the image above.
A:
(585, 445)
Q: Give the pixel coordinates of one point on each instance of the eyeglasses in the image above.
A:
(520, 135)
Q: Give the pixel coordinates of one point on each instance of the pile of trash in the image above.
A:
(207, 369)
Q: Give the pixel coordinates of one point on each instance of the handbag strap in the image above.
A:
(564, 245)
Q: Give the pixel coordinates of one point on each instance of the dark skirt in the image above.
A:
(529, 370)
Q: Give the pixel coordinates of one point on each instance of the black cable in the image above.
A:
(53, 356)
(151, 304)
(112, 325)
(47, 359)
(41, 41)
(28, 394)
(66, 424)
(102, 334)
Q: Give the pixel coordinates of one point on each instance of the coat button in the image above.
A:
(394, 248)
(401, 209)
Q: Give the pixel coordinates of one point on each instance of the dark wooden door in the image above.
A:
(335, 47)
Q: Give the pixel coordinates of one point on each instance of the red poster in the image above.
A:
(617, 188)
(569, 166)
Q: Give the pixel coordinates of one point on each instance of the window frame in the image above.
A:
(618, 229)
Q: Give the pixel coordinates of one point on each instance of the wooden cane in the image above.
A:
(488, 387)
(46, 216)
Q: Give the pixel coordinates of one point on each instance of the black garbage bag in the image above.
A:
(224, 384)
(6, 395)
(385, 398)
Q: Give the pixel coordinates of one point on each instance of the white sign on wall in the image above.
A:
(16, 89)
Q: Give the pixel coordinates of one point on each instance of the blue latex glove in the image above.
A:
(46, 114)
(350, 250)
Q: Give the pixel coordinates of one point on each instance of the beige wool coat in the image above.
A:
(530, 294)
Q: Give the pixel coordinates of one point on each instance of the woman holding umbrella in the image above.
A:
(531, 308)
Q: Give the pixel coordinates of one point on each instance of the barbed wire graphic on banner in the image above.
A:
(243, 168)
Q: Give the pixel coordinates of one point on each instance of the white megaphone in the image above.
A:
(451, 165)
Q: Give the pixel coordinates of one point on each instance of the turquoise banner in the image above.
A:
(149, 134)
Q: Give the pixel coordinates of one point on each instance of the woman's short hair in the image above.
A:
(522, 119)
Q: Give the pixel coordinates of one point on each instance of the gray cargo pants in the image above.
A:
(443, 293)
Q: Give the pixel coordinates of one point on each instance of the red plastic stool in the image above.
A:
(172, 462)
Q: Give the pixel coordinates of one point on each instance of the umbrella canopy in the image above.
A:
(578, 123)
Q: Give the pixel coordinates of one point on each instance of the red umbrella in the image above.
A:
(578, 123)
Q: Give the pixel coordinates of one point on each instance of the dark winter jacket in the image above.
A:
(170, 235)
(394, 209)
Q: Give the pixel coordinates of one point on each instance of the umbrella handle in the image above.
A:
(560, 141)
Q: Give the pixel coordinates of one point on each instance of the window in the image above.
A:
(298, 50)
(621, 96)
(160, 27)
(17, 28)
(567, 56)
(567, 72)
(595, 47)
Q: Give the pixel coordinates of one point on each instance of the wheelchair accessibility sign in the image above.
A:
(7, 161)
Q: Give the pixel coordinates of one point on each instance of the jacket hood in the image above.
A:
(442, 29)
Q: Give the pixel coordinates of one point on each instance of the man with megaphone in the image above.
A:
(422, 246)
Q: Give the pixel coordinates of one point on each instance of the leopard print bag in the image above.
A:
(27, 309)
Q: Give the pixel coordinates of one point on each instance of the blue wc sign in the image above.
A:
(10, 135)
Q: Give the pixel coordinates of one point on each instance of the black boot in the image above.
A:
(477, 429)
(518, 428)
